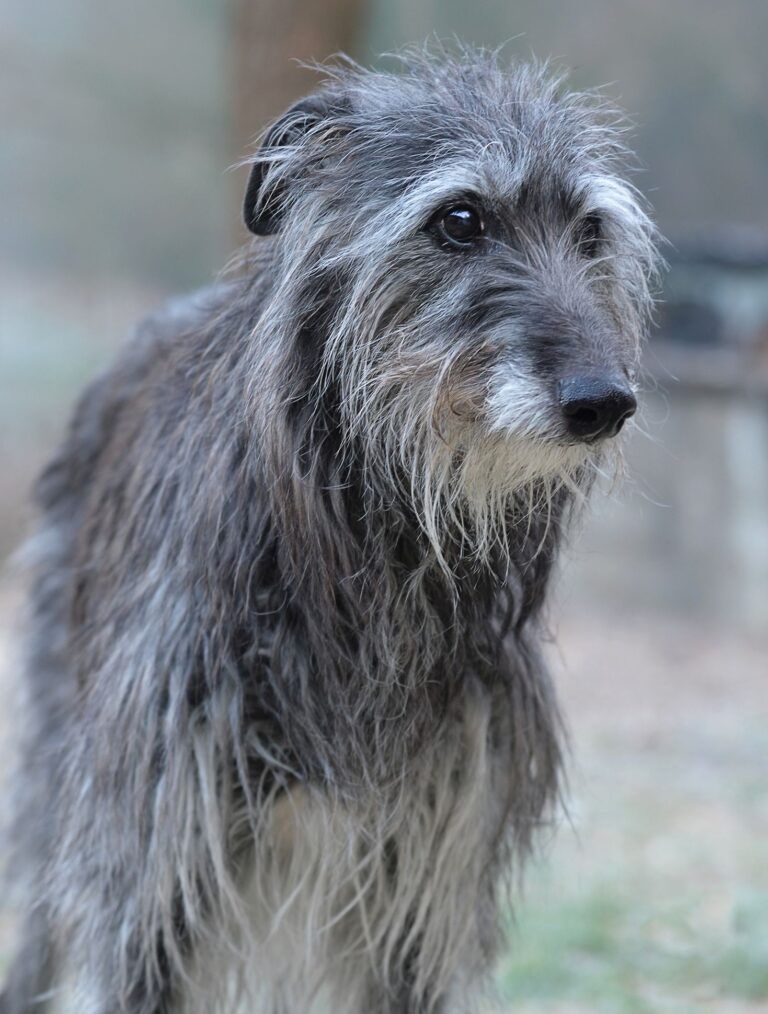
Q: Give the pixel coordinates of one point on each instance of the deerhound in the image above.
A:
(289, 725)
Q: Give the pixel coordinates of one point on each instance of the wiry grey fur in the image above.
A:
(289, 725)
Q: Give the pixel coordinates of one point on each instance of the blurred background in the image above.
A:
(120, 125)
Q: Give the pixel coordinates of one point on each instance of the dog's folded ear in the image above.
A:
(264, 196)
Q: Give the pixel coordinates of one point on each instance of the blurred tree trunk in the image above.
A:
(268, 37)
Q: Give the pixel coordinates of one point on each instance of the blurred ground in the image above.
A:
(655, 896)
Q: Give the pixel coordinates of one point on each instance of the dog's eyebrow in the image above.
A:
(487, 177)
(430, 191)
(613, 197)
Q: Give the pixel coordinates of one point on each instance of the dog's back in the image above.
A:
(62, 497)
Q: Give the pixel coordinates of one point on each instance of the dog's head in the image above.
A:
(477, 265)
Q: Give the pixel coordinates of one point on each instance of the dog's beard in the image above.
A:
(474, 452)
(467, 480)
(478, 484)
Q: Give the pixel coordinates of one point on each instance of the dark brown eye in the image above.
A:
(589, 232)
(460, 226)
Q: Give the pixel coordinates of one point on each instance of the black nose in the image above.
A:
(595, 406)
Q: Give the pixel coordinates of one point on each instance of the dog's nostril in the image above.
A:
(584, 416)
(595, 406)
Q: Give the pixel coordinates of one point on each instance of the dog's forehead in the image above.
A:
(510, 150)
(515, 138)
(521, 179)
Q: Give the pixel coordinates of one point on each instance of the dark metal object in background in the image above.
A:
(713, 319)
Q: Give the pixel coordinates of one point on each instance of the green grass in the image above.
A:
(603, 944)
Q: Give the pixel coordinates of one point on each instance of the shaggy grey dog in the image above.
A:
(289, 725)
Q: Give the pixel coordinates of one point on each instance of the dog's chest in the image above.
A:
(332, 891)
